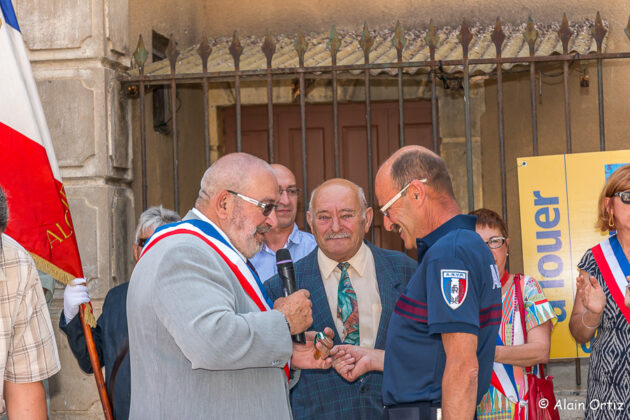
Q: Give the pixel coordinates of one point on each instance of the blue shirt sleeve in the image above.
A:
(452, 296)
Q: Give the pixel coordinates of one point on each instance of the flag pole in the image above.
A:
(96, 364)
(87, 322)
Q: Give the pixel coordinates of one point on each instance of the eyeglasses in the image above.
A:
(291, 191)
(141, 242)
(624, 196)
(397, 196)
(495, 242)
(267, 208)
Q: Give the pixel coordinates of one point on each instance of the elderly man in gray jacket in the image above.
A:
(205, 341)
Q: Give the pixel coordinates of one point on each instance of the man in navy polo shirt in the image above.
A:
(441, 337)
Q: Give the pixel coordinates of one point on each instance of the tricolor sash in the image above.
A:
(247, 278)
(614, 266)
(503, 380)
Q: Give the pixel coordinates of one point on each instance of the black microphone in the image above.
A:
(287, 275)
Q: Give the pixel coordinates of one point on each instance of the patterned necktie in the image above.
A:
(347, 308)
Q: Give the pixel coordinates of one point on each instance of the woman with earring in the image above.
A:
(507, 396)
(600, 312)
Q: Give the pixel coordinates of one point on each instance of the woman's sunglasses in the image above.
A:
(624, 196)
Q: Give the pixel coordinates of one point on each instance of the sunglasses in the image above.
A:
(267, 208)
(624, 196)
(396, 197)
(141, 242)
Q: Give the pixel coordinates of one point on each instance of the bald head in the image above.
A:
(417, 162)
(282, 171)
(340, 184)
(236, 192)
(414, 188)
(234, 171)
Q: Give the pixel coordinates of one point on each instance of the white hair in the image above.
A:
(154, 217)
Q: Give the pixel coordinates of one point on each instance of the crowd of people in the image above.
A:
(205, 326)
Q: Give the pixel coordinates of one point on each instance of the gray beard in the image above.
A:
(243, 241)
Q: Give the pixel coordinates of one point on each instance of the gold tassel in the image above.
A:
(88, 315)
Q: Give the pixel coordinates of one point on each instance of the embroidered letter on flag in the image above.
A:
(39, 216)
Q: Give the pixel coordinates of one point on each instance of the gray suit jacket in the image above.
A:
(199, 346)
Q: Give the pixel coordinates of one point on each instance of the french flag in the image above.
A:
(39, 216)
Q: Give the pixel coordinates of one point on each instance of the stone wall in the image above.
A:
(77, 49)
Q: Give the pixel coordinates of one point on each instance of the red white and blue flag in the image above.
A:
(614, 266)
(39, 216)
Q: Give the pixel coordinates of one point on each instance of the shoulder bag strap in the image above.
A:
(521, 308)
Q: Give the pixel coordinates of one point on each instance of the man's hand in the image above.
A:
(74, 295)
(591, 293)
(351, 362)
(304, 354)
(297, 310)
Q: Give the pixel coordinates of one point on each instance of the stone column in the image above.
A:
(77, 49)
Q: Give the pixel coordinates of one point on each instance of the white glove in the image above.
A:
(73, 296)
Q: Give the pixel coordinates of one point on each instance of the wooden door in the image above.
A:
(320, 153)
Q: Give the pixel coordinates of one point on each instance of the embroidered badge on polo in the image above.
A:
(454, 287)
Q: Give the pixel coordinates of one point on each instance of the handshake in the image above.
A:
(349, 361)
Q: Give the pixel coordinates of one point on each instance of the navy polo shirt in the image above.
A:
(456, 288)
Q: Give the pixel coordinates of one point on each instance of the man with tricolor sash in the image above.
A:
(204, 339)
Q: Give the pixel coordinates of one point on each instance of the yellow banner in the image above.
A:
(558, 200)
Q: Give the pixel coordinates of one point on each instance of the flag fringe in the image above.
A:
(65, 278)
(88, 315)
(52, 270)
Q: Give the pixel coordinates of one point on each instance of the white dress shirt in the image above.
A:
(362, 274)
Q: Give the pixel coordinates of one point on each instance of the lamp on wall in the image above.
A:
(584, 79)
